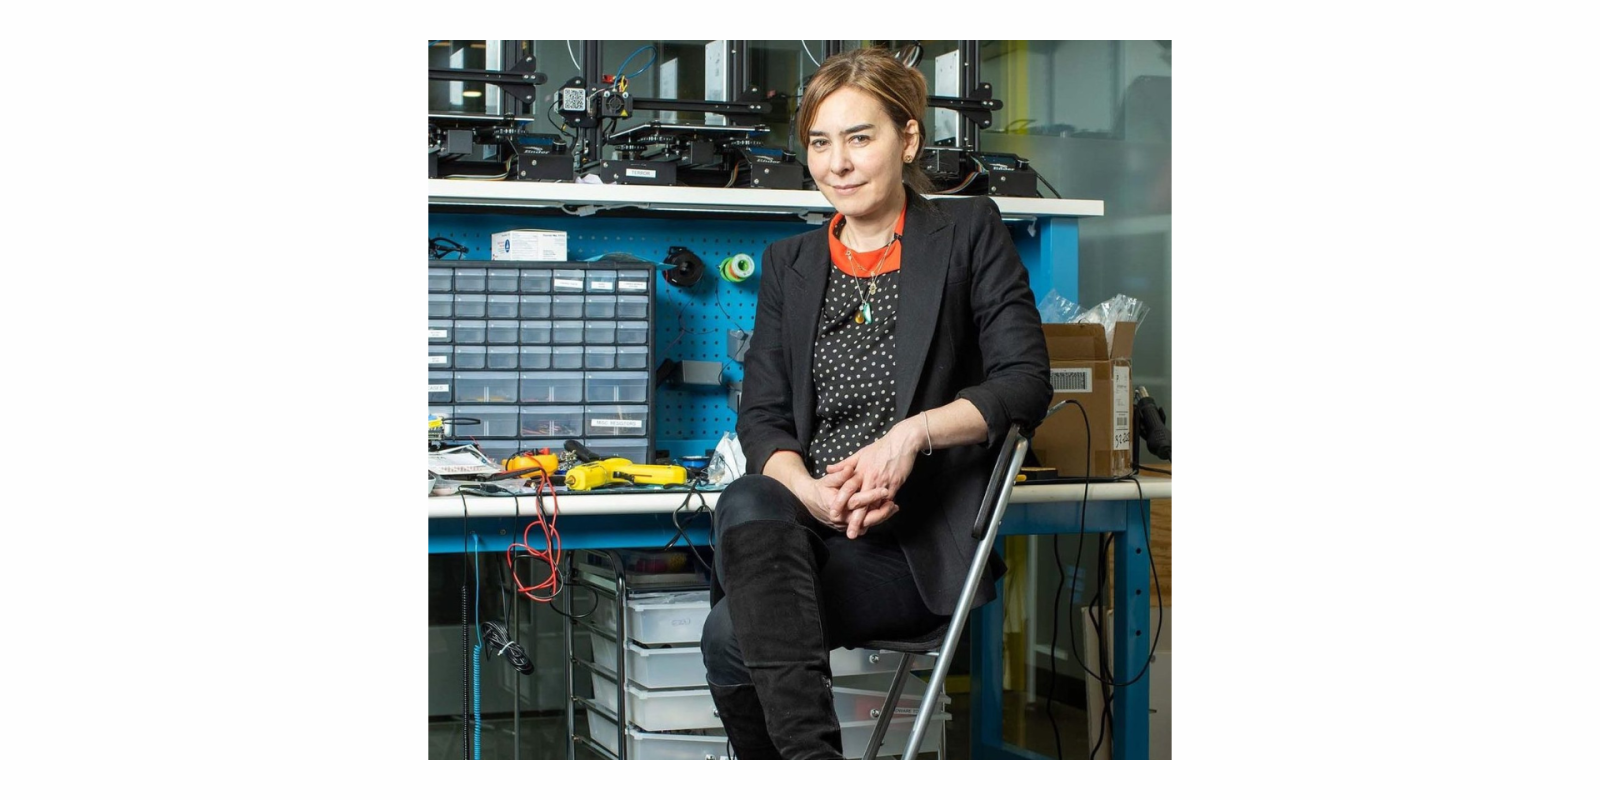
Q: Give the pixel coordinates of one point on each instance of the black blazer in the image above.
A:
(967, 327)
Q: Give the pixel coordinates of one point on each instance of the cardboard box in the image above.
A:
(528, 244)
(1100, 377)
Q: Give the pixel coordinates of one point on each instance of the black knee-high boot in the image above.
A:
(740, 711)
(774, 596)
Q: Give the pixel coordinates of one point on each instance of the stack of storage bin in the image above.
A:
(543, 352)
(666, 703)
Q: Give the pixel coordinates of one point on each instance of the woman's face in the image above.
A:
(855, 154)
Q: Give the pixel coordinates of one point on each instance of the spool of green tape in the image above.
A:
(737, 268)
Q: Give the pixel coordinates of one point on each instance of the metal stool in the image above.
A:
(942, 642)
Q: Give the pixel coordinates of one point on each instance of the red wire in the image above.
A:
(551, 554)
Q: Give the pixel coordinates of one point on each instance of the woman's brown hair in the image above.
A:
(901, 90)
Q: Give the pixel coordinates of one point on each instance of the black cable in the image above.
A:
(466, 679)
(682, 524)
(1047, 183)
(1143, 468)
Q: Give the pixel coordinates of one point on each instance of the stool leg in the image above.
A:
(886, 714)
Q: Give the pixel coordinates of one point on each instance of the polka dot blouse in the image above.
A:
(853, 366)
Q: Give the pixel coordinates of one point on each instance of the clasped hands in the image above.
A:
(858, 492)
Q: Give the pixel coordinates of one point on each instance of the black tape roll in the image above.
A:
(687, 268)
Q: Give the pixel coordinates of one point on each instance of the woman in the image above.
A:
(892, 350)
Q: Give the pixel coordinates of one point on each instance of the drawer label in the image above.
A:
(617, 423)
(438, 359)
(438, 388)
(632, 286)
(604, 286)
(568, 283)
(639, 173)
(438, 333)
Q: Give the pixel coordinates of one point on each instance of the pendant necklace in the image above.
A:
(864, 311)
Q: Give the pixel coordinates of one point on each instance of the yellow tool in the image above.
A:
(613, 471)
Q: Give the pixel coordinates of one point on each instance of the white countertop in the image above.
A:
(1156, 487)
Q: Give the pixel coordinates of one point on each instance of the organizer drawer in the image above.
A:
(535, 281)
(617, 387)
(658, 709)
(602, 306)
(552, 387)
(503, 280)
(653, 667)
(633, 281)
(552, 421)
(486, 387)
(601, 332)
(471, 331)
(472, 279)
(535, 306)
(633, 357)
(600, 356)
(535, 331)
(498, 422)
(647, 746)
(471, 356)
(439, 279)
(600, 281)
(566, 307)
(633, 307)
(566, 331)
(502, 357)
(536, 356)
(566, 281)
(441, 305)
(503, 306)
(566, 357)
(633, 332)
(440, 331)
(439, 356)
(618, 421)
(471, 306)
(502, 331)
(439, 384)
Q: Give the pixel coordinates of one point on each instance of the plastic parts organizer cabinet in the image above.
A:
(540, 352)
(647, 680)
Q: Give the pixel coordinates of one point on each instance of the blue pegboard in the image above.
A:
(690, 421)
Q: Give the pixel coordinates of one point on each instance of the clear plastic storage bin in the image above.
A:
(472, 279)
(471, 356)
(633, 332)
(439, 279)
(471, 331)
(566, 281)
(552, 387)
(618, 421)
(660, 617)
(499, 422)
(535, 281)
(441, 305)
(562, 422)
(633, 307)
(647, 746)
(503, 357)
(566, 331)
(535, 331)
(503, 280)
(602, 332)
(659, 709)
(600, 307)
(503, 331)
(633, 358)
(566, 357)
(439, 387)
(617, 387)
(566, 306)
(471, 306)
(653, 667)
(600, 281)
(486, 387)
(600, 356)
(535, 306)
(536, 356)
(440, 331)
(439, 356)
(633, 281)
(503, 306)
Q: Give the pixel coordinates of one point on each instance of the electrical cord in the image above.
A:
(1047, 183)
(551, 554)
(501, 644)
(624, 67)
(813, 58)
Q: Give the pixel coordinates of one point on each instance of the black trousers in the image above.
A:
(867, 591)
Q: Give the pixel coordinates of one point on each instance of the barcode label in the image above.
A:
(1121, 395)
(632, 286)
(1072, 379)
(617, 423)
(438, 333)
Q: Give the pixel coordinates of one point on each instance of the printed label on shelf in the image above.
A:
(568, 283)
(1121, 431)
(436, 388)
(632, 286)
(640, 173)
(1072, 379)
(438, 359)
(438, 333)
(601, 286)
(617, 423)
